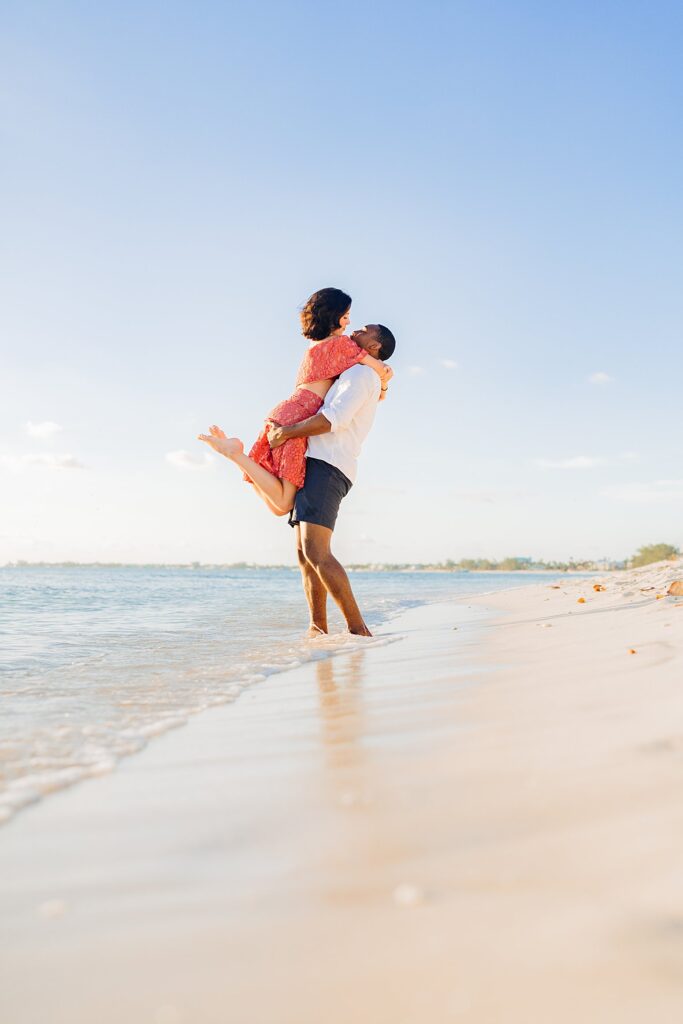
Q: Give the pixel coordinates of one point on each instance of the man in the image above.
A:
(336, 434)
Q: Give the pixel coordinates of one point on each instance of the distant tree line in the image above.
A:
(653, 553)
(644, 556)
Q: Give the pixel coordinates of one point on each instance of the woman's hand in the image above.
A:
(385, 376)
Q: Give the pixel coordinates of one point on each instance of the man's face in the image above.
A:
(368, 338)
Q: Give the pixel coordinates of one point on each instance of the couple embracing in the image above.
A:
(304, 461)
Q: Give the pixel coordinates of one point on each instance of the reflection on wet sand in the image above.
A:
(342, 716)
(356, 779)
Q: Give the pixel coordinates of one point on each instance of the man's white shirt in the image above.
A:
(350, 406)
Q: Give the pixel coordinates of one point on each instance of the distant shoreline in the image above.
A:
(417, 568)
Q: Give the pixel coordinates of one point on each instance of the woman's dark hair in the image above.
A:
(321, 315)
(388, 342)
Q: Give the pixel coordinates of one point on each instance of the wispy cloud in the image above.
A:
(478, 497)
(600, 378)
(189, 460)
(575, 462)
(449, 364)
(46, 460)
(587, 461)
(652, 492)
(489, 497)
(46, 428)
(416, 371)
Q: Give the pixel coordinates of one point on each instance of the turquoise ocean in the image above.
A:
(96, 661)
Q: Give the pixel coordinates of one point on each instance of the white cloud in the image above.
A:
(416, 371)
(600, 378)
(587, 461)
(44, 459)
(647, 493)
(449, 364)
(189, 460)
(46, 428)
(489, 497)
(485, 497)
(576, 462)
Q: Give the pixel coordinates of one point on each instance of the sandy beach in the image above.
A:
(478, 820)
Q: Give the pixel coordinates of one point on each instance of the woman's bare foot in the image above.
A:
(221, 443)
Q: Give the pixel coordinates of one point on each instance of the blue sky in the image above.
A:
(499, 183)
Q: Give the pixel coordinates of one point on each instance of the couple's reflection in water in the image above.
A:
(365, 839)
(342, 709)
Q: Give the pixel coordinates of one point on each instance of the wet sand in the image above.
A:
(476, 824)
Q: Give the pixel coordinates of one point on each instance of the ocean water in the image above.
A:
(96, 661)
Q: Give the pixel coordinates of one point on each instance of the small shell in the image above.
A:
(407, 895)
(52, 908)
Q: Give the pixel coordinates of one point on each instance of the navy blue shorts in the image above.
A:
(319, 499)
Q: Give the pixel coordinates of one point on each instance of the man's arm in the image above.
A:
(317, 424)
(344, 399)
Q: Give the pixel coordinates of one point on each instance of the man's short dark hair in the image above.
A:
(388, 342)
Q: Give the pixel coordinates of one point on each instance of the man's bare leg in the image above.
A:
(315, 544)
(277, 494)
(314, 589)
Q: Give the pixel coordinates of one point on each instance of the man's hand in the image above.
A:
(276, 434)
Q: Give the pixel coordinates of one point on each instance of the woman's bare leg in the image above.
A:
(264, 497)
(278, 494)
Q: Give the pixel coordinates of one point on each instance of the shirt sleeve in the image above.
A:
(336, 355)
(349, 351)
(345, 398)
(329, 358)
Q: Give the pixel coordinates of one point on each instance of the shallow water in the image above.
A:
(95, 661)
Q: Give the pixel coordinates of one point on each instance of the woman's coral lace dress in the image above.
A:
(323, 361)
